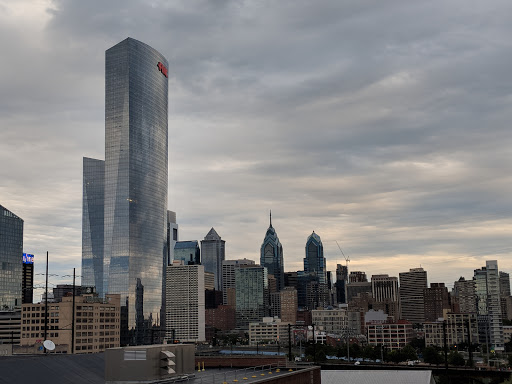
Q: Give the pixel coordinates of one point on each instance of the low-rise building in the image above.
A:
(391, 335)
(10, 326)
(270, 330)
(330, 320)
(97, 324)
(456, 329)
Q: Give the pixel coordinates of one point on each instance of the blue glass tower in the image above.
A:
(11, 259)
(314, 262)
(272, 255)
(133, 255)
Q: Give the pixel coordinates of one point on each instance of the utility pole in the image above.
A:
(314, 344)
(469, 343)
(289, 342)
(73, 318)
(445, 346)
(46, 303)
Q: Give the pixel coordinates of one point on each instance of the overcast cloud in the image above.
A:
(382, 125)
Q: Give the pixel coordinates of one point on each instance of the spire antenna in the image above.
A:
(270, 218)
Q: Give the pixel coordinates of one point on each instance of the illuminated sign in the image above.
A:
(162, 68)
(28, 259)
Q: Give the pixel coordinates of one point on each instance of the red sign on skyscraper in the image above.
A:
(162, 68)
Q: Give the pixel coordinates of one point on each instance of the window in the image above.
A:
(134, 355)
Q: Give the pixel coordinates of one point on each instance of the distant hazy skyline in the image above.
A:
(382, 125)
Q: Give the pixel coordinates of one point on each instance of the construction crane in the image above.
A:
(347, 258)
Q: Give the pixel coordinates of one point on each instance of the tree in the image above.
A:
(409, 353)
(431, 356)
(417, 344)
(320, 356)
(455, 358)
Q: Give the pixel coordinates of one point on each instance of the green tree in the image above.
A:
(320, 356)
(431, 356)
(355, 351)
(418, 344)
(455, 358)
(409, 353)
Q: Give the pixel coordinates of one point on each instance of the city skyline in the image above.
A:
(387, 135)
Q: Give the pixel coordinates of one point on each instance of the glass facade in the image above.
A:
(93, 202)
(188, 252)
(272, 256)
(11, 259)
(135, 185)
(314, 262)
(251, 287)
(213, 249)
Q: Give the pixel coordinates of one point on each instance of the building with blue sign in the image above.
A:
(27, 283)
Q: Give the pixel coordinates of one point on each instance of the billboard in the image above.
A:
(28, 258)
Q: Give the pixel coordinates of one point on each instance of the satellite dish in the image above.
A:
(49, 345)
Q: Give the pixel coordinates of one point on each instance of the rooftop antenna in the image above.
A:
(270, 218)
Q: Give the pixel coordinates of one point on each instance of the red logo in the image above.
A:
(162, 68)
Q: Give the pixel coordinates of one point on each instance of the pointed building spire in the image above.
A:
(270, 218)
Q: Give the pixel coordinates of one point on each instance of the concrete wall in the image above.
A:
(303, 376)
(119, 370)
(239, 361)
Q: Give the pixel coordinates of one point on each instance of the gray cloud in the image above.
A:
(382, 126)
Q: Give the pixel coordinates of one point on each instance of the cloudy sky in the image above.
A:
(384, 125)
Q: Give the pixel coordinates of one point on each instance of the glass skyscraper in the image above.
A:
(314, 262)
(272, 255)
(11, 259)
(213, 250)
(128, 256)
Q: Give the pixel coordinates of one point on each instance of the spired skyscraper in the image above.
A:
(272, 256)
(124, 223)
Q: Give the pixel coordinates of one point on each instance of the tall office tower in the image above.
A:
(27, 284)
(487, 284)
(358, 288)
(314, 262)
(289, 305)
(437, 299)
(504, 284)
(357, 277)
(384, 288)
(214, 253)
(465, 294)
(134, 174)
(185, 315)
(251, 286)
(290, 279)
(385, 294)
(272, 255)
(505, 299)
(93, 230)
(170, 242)
(275, 304)
(228, 275)
(188, 252)
(11, 259)
(412, 286)
(172, 235)
(341, 283)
